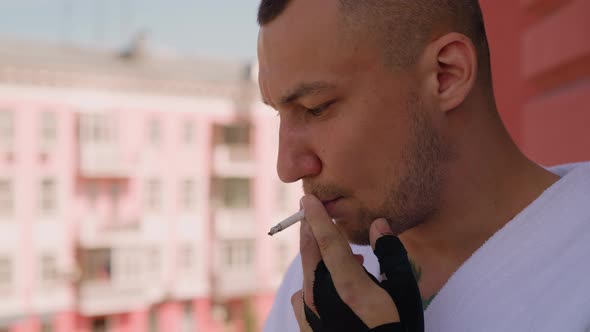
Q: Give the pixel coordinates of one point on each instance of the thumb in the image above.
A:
(392, 256)
(379, 228)
(396, 271)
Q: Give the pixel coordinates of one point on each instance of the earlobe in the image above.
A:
(456, 69)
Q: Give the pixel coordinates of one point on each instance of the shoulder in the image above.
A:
(281, 317)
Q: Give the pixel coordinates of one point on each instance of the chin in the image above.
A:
(360, 238)
(354, 233)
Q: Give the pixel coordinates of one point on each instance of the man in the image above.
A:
(388, 117)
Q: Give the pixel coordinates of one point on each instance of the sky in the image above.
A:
(224, 29)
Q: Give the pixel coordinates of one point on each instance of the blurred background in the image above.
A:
(137, 176)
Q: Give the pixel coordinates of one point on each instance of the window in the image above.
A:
(115, 191)
(96, 128)
(96, 265)
(92, 192)
(6, 129)
(236, 134)
(100, 325)
(6, 198)
(48, 201)
(239, 253)
(153, 320)
(5, 272)
(153, 263)
(186, 257)
(234, 192)
(154, 132)
(46, 327)
(188, 321)
(48, 129)
(131, 264)
(49, 273)
(220, 312)
(187, 194)
(154, 194)
(188, 132)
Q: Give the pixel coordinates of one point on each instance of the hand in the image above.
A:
(339, 293)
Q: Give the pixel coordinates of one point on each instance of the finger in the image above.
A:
(379, 228)
(372, 307)
(399, 280)
(333, 247)
(359, 258)
(392, 255)
(354, 286)
(310, 257)
(297, 303)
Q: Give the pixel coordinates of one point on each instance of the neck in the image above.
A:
(487, 185)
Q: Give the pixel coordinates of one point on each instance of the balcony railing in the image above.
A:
(100, 232)
(234, 223)
(233, 160)
(235, 282)
(12, 308)
(107, 297)
(103, 160)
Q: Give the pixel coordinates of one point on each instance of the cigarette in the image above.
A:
(290, 221)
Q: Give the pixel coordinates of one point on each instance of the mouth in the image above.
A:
(329, 204)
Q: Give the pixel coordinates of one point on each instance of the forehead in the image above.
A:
(307, 42)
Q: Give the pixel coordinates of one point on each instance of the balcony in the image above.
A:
(98, 232)
(12, 307)
(103, 160)
(233, 160)
(234, 223)
(116, 279)
(108, 297)
(235, 282)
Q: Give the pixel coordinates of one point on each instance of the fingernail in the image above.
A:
(383, 226)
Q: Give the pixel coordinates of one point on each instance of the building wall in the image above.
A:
(164, 298)
(541, 67)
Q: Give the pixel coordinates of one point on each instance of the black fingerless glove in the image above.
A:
(399, 283)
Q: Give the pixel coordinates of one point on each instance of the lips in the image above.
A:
(329, 204)
(328, 201)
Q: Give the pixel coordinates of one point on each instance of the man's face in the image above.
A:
(356, 133)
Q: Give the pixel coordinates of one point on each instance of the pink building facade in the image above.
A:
(135, 194)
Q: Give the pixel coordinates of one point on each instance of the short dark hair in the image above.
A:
(270, 9)
(403, 27)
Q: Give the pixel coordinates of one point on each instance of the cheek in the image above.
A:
(374, 155)
(363, 146)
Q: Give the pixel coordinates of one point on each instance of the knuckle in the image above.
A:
(308, 291)
(324, 242)
(355, 292)
(308, 302)
(349, 295)
(296, 299)
(306, 237)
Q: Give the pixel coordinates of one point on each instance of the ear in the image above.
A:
(453, 61)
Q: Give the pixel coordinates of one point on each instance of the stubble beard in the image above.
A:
(413, 193)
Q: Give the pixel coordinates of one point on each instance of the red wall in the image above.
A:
(541, 67)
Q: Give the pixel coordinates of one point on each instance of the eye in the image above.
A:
(317, 111)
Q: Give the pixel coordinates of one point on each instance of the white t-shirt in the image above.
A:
(532, 275)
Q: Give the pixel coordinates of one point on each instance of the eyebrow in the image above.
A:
(305, 89)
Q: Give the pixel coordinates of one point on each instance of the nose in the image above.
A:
(296, 159)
